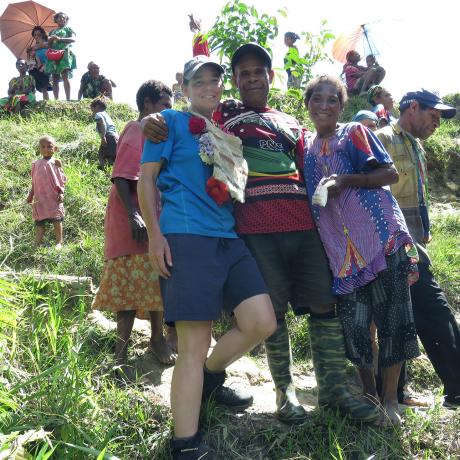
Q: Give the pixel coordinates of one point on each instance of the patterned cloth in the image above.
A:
(200, 45)
(411, 191)
(92, 87)
(386, 300)
(48, 182)
(22, 85)
(129, 283)
(353, 74)
(382, 113)
(68, 61)
(273, 147)
(229, 166)
(23, 90)
(177, 93)
(361, 226)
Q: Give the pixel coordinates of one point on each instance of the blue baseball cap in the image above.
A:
(430, 99)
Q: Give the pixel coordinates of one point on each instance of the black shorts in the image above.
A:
(41, 223)
(108, 152)
(208, 275)
(295, 267)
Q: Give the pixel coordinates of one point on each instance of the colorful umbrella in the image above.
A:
(348, 41)
(17, 22)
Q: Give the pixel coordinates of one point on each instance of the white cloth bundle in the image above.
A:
(230, 167)
(321, 194)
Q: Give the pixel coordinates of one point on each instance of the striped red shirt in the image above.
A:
(275, 196)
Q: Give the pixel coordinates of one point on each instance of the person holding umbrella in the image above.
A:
(36, 55)
(60, 39)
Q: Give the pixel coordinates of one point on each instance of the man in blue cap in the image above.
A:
(421, 112)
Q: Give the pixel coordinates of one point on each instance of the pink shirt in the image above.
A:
(352, 74)
(48, 182)
(118, 239)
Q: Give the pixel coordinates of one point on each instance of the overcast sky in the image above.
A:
(133, 41)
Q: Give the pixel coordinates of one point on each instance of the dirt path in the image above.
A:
(246, 372)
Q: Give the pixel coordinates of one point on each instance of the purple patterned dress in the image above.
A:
(361, 226)
(370, 251)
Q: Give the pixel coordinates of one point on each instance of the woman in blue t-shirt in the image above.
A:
(205, 267)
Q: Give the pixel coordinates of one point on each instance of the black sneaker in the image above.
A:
(193, 448)
(213, 388)
(451, 402)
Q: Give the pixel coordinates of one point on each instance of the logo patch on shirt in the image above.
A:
(271, 145)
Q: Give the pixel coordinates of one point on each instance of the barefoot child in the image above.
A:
(47, 192)
(205, 267)
(107, 131)
(129, 285)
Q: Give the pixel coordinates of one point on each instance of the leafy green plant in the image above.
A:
(237, 24)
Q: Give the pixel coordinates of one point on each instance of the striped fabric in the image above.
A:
(360, 226)
(275, 199)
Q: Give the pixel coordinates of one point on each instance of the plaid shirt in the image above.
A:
(411, 190)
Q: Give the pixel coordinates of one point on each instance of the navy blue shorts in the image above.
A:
(208, 275)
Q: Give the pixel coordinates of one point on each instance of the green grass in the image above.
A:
(445, 254)
(55, 376)
(85, 196)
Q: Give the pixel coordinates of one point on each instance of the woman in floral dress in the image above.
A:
(21, 90)
(61, 39)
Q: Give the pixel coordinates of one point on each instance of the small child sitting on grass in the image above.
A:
(47, 192)
(107, 131)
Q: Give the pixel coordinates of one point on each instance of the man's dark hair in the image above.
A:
(98, 102)
(292, 35)
(60, 13)
(327, 80)
(350, 54)
(154, 90)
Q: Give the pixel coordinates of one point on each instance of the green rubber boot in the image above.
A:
(330, 361)
(278, 347)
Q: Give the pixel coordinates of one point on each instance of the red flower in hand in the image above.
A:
(196, 125)
(217, 190)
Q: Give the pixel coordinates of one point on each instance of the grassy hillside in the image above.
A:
(55, 365)
(85, 196)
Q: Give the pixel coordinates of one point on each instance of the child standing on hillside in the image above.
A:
(47, 192)
(177, 87)
(106, 129)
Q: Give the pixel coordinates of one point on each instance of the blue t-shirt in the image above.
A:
(108, 122)
(186, 207)
(41, 54)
